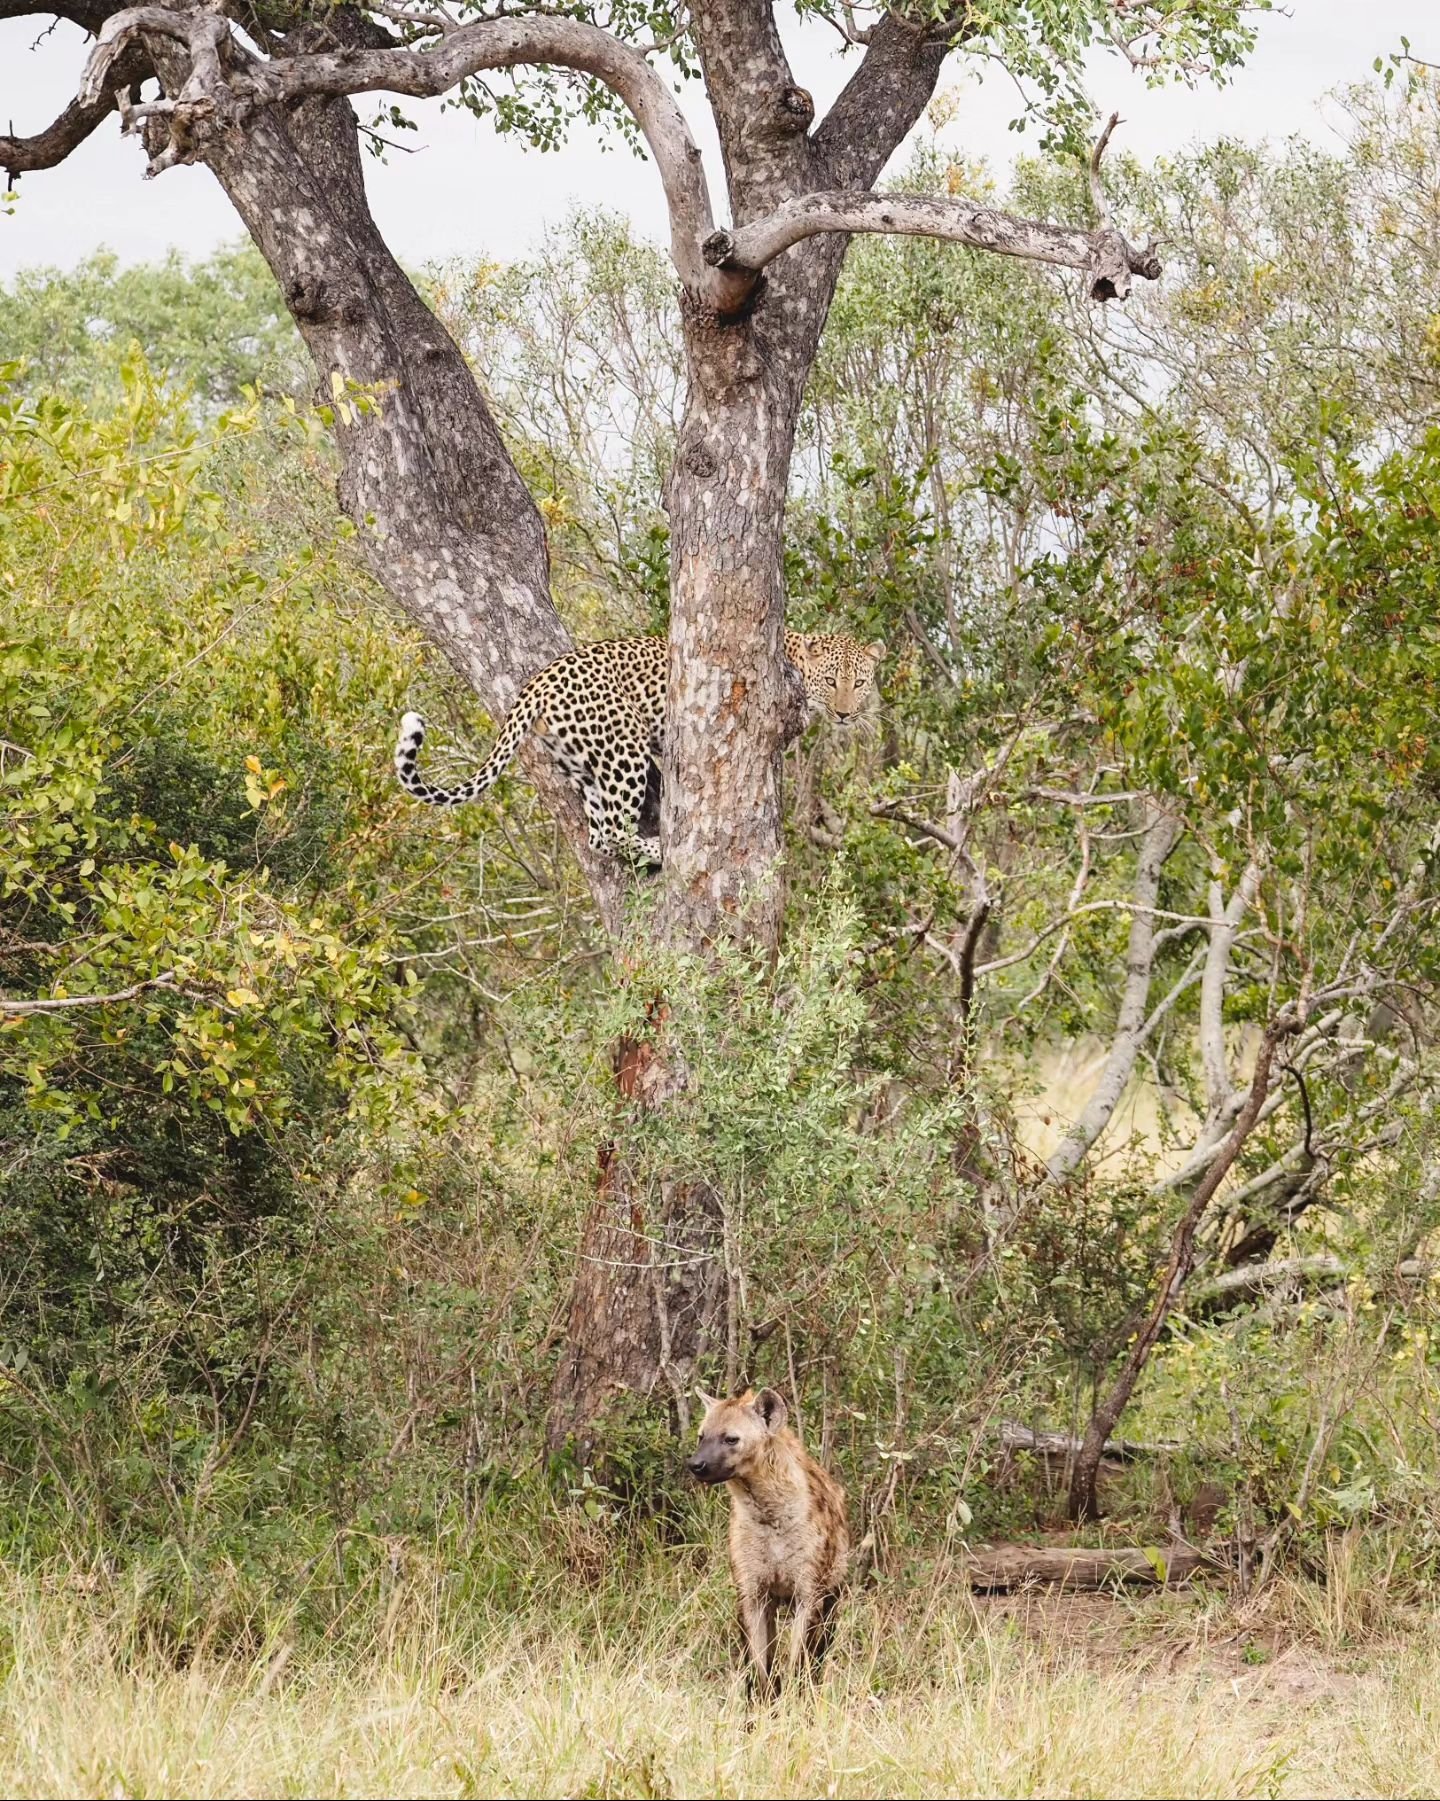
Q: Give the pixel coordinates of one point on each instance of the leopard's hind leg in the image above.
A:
(573, 760)
(630, 782)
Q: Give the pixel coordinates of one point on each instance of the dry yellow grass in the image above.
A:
(980, 1709)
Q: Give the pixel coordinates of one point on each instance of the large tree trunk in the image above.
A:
(648, 1295)
(732, 705)
(447, 525)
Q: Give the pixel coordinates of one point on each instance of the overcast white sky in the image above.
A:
(468, 192)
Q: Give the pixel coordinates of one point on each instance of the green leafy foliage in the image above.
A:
(1039, 45)
(220, 325)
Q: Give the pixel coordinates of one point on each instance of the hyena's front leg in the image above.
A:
(822, 1631)
(803, 1622)
(757, 1621)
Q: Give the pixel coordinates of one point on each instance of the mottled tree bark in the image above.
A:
(448, 526)
(734, 702)
(645, 1299)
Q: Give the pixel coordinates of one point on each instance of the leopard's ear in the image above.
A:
(875, 650)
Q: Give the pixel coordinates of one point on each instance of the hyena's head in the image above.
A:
(733, 1434)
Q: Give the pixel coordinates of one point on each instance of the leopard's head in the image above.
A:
(839, 676)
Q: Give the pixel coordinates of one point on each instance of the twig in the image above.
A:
(1097, 192)
(14, 1009)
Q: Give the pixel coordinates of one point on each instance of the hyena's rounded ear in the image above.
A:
(706, 1401)
(771, 1408)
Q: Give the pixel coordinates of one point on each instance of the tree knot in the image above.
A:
(718, 248)
(1115, 261)
(797, 108)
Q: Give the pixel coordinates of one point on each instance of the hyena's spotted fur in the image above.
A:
(789, 1541)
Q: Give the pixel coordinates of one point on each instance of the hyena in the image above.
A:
(788, 1538)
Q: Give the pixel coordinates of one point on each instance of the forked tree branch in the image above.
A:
(1182, 1257)
(427, 72)
(719, 268)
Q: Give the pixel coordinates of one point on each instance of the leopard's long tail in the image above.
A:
(412, 735)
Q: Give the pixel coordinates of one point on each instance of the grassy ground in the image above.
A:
(1163, 1696)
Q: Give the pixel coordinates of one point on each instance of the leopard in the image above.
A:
(599, 712)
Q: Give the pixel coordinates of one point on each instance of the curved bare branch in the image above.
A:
(51, 146)
(429, 71)
(718, 268)
(19, 1009)
(46, 149)
(1106, 256)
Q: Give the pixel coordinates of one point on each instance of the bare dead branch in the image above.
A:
(1068, 1566)
(1260, 1278)
(426, 18)
(1162, 832)
(1097, 191)
(48, 148)
(886, 810)
(1070, 797)
(1107, 258)
(15, 1009)
(1182, 1258)
(1077, 889)
(1015, 1437)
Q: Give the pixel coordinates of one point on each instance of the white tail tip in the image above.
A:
(412, 726)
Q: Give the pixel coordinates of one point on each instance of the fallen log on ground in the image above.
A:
(1249, 1280)
(1015, 1437)
(1083, 1566)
